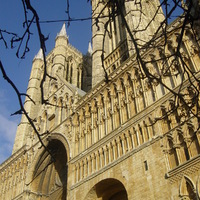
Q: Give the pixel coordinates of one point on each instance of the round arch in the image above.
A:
(107, 189)
(48, 173)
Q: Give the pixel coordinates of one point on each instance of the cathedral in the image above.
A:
(104, 131)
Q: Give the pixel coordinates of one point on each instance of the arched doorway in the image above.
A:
(49, 180)
(108, 189)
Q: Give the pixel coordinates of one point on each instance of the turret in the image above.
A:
(60, 52)
(32, 102)
(97, 41)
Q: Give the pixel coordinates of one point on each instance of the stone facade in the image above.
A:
(106, 143)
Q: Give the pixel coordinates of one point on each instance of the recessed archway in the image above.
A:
(187, 189)
(49, 179)
(108, 189)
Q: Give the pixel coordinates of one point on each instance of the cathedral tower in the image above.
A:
(64, 63)
(110, 35)
(122, 140)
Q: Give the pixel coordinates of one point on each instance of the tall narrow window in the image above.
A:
(146, 165)
(67, 72)
(71, 74)
(78, 74)
(172, 155)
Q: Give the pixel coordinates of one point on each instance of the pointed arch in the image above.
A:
(187, 189)
(48, 173)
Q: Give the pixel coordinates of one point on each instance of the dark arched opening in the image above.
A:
(50, 173)
(108, 189)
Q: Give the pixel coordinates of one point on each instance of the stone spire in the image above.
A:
(63, 32)
(39, 55)
(62, 38)
(90, 48)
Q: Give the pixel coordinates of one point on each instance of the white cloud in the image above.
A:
(8, 127)
(7, 136)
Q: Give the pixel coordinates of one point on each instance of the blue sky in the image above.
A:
(11, 19)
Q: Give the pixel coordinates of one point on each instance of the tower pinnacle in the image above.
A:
(62, 38)
(39, 55)
(63, 32)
